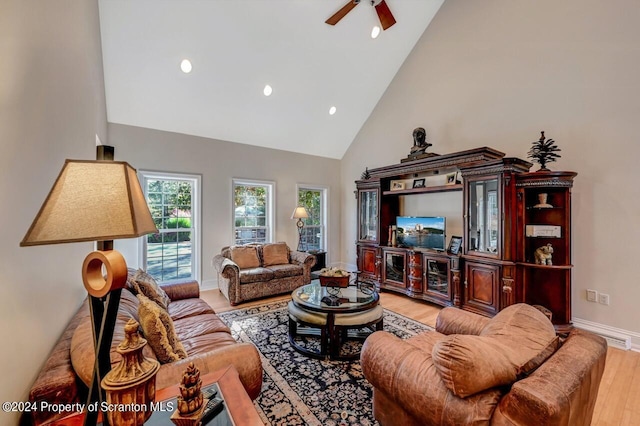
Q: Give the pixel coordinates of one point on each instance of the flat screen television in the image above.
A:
(420, 232)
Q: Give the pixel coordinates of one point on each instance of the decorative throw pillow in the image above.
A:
(147, 285)
(275, 254)
(158, 329)
(514, 342)
(245, 256)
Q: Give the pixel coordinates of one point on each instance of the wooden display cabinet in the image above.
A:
(544, 218)
(503, 228)
(402, 269)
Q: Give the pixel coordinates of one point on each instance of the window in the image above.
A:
(252, 211)
(313, 233)
(173, 200)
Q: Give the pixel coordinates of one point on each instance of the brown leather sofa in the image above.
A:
(254, 271)
(206, 340)
(507, 370)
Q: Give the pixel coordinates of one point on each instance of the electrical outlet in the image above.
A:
(603, 298)
(592, 296)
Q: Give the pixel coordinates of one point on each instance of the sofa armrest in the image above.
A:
(225, 266)
(563, 390)
(456, 321)
(306, 259)
(243, 356)
(182, 289)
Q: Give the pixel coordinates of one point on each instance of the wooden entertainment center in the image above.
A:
(511, 218)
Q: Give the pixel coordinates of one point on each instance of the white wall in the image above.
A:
(52, 106)
(497, 72)
(219, 162)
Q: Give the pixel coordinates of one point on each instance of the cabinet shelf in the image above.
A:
(425, 190)
(535, 265)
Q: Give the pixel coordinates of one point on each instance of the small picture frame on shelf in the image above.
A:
(418, 183)
(451, 179)
(455, 244)
(397, 185)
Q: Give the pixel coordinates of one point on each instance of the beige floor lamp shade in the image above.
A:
(92, 201)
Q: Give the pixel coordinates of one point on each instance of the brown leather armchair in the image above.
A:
(507, 370)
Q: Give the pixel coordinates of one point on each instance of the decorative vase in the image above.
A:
(132, 382)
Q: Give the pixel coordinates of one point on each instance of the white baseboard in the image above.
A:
(616, 337)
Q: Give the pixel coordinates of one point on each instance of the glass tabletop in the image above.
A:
(354, 298)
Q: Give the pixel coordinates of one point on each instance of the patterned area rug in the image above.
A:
(298, 390)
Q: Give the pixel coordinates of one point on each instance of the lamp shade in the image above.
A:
(92, 201)
(300, 213)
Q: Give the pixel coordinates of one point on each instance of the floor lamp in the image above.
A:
(95, 201)
(300, 213)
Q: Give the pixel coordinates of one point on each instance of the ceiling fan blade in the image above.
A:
(341, 13)
(385, 15)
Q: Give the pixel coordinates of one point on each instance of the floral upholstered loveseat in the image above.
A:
(254, 271)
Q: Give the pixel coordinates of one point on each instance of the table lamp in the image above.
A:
(95, 201)
(300, 213)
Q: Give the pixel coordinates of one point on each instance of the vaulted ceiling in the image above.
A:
(236, 47)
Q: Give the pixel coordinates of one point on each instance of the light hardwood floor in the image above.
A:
(618, 400)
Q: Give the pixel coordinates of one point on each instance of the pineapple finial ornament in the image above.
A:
(544, 151)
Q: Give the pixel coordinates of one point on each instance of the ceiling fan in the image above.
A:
(384, 14)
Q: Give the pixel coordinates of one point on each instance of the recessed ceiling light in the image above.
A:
(375, 32)
(268, 90)
(186, 66)
(332, 110)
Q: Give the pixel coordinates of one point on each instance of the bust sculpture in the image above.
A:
(420, 143)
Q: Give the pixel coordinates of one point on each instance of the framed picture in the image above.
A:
(451, 179)
(397, 185)
(454, 245)
(418, 183)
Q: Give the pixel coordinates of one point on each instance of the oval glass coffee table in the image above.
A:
(334, 315)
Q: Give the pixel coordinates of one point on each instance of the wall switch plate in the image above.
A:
(603, 298)
(592, 296)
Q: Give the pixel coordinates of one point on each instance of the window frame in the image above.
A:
(324, 199)
(196, 203)
(270, 211)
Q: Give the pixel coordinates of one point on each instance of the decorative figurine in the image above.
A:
(420, 143)
(543, 255)
(542, 198)
(543, 152)
(420, 146)
(191, 403)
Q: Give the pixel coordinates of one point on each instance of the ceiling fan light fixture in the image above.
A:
(268, 90)
(375, 32)
(186, 66)
(332, 110)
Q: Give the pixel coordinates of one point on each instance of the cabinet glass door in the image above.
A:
(394, 268)
(437, 276)
(368, 220)
(484, 216)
